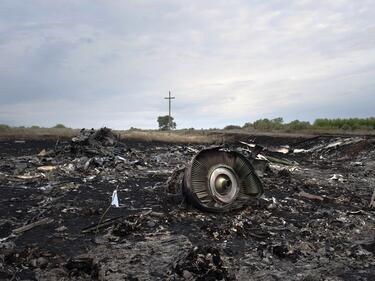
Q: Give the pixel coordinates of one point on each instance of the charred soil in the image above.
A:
(313, 223)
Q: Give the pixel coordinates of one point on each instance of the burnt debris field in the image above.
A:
(313, 222)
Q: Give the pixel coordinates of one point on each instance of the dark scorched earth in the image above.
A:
(312, 223)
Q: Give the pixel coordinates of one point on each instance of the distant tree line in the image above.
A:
(349, 124)
(276, 124)
(4, 127)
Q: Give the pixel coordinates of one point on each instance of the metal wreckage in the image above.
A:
(219, 180)
(270, 208)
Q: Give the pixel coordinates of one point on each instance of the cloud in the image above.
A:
(87, 63)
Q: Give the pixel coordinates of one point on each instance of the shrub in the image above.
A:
(298, 125)
(59, 126)
(266, 124)
(232, 127)
(346, 124)
(248, 125)
(4, 128)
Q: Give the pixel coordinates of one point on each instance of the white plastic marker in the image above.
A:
(115, 203)
(115, 199)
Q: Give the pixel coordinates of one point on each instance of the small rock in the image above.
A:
(271, 206)
(40, 262)
(151, 224)
(42, 153)
(61, 228)
(46, 168)
(187, 275)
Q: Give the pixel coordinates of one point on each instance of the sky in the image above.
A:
(93, 63)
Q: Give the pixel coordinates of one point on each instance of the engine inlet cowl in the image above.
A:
(219, 180)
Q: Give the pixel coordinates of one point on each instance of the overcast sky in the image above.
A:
(89, 63)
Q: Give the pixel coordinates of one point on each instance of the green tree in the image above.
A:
(4, 127)
(232, 127)
(266, 124)
(248, 125)
(298, 125)
(59, 126)
(165, 123)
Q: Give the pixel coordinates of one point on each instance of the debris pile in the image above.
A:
(82, 267)
(202, 263)
(315, 221)
(100, 142)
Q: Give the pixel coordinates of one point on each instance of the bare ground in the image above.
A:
(155, 236)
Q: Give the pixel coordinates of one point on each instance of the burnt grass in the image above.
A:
(154, 235)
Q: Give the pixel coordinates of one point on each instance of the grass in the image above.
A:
(37, 133)
(214, 136)
(177, 136)
(271, 127)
